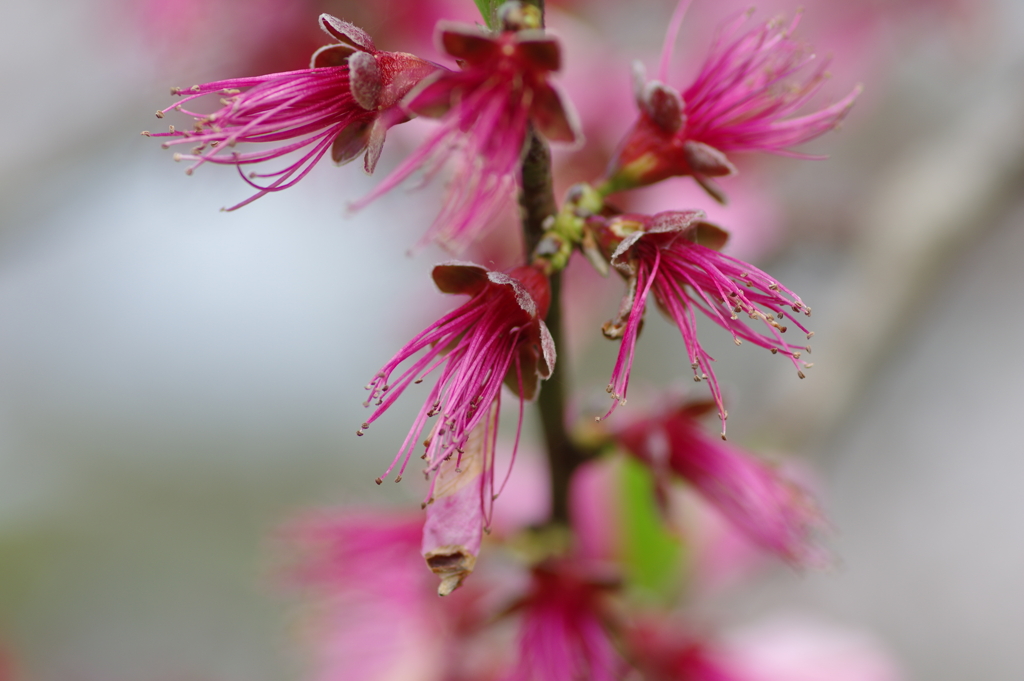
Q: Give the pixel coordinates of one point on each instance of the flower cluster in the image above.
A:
(566, 595)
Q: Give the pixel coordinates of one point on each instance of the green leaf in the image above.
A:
(651, 555)
(489, 11)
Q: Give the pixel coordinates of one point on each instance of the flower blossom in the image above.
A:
(745, 98)
(668, 254)
(496, 337)
(487, 110)
(375, 617)
(664, 651)
(773, 512)
(345, 102)
(562, 635)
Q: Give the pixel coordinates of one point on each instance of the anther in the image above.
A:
(809, 335)
(378, 481)
(398, 478)
(800, 374)
(159, 114)
(774, 351)
(360, 432)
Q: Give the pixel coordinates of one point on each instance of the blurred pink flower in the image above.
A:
(792, 648)
(561, 636)
(376, 617)
(251, 36)
(486, 111)
(665, 651)
(745, 98)
(755, 217)
(345, 102)
(773, 512)
(668, 254)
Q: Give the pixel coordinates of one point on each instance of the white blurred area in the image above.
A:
(176, 381)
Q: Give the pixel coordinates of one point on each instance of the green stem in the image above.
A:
(537, 200)
(563, 455)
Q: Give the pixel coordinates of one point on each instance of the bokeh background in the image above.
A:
(176, 382)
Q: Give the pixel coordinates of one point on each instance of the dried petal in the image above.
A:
(350, 142)
(365, 77)
(664, 105)
(468, 43)
(331, 55)
(347, 33)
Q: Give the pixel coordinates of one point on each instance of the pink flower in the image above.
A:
(561, 635)
(800, 648)
(773, 512)
(668, 254)
(376, 617)
(496, 337)
(486, 112)
(745, 98)
(345, 102)
(666, 652)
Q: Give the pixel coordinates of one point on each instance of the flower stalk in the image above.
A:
(537, 200)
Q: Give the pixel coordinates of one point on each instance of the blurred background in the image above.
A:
(176, 382)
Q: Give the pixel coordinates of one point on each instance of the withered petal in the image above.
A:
(664, 105)
(365, 79)
(331, 55)
(556, 121)
(466, 42)
(350, 142)
(347, 33)
(704, 159)
(540, 52)
(457, 276)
